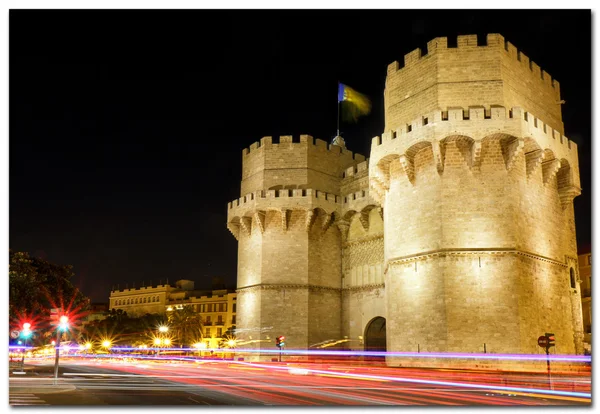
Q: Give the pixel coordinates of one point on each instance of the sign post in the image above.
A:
(546, 341)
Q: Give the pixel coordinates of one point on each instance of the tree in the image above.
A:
(186, 325)
(36, 286)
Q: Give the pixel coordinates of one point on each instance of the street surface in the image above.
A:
(150, 382)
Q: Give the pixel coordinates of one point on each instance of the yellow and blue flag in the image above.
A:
(355, 104)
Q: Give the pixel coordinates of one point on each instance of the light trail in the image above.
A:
(280, 384)
(523, 357)
(431, 382)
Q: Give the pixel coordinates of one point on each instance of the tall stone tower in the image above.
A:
(289, 275)
(459, 230)
(477, 182)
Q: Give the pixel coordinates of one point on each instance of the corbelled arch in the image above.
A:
(564, 175)
(463, 143)
(412, 153)
(382, 170)
(550, 166)
(534, 156)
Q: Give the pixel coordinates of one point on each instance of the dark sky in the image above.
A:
(126, 127)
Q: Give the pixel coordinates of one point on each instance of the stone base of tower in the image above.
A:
(306, 315)
(465, 302)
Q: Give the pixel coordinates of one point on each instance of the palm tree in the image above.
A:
(186, 325)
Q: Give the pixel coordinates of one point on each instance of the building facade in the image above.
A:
(216, 307)
(585, 273)
(458, 231)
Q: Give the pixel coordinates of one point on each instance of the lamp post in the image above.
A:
(63, 325)
(163, 329)
(25, 333)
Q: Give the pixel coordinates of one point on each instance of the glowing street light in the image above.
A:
(106, 344)
(63, 325)
(64, 322)
(167, 341)
(157, 341)
(25, 333)
(163, 329)
(88, 345)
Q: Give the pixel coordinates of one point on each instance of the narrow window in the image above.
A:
(572, 274)
(425, 121)
(408, 128)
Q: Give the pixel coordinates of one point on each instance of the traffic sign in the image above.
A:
(543, 341)
(14, 334)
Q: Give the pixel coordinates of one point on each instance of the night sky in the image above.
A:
(126, 127)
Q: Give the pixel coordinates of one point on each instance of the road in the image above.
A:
(103, 382)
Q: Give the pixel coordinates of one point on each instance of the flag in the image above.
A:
(354, 104)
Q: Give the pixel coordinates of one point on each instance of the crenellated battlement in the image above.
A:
(470, 43)
(283, 194)
(518, 132)
(478, 122)
(307, 163)
(303, 142)
(469, 75)
(296, 199)
(356, 169)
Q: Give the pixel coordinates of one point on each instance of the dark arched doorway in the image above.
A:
(375, 335)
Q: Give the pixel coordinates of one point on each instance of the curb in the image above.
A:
(51, 389)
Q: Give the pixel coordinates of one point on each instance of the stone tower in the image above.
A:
(289, 254)
(477, 183)
(459, 230)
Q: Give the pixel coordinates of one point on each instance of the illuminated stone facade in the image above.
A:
(585, 273)
(216, 307)
(459, 230)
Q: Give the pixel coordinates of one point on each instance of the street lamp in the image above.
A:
(25, 333)
(63, 325)
(163, 329)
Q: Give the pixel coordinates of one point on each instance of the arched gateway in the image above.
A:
(375, 335)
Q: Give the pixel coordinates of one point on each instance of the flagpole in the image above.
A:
(338, 118)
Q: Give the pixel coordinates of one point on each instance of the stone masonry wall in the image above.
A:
(469, 75)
